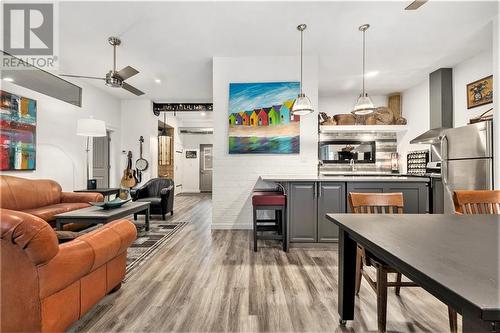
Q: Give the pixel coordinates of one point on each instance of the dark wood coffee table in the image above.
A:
(104, 191)
(95, 215)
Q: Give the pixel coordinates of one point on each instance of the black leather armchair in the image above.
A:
(159, 192)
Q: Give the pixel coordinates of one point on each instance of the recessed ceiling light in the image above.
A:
(203, 113)
(372, 74)
(8, 79)
(157, 81)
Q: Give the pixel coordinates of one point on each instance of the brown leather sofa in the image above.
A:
(43, 198)
(45, 287)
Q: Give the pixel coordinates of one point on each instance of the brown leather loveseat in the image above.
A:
(45, 287)
(43, 198)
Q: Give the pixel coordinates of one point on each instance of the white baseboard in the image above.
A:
(231, 226)
(190, 191)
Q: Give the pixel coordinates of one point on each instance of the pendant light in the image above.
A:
(302, 105)
(364, 104)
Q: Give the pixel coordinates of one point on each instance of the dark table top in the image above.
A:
(103, 191)
(100, 213)
(458, 253)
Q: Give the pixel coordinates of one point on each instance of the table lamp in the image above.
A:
(90, 128)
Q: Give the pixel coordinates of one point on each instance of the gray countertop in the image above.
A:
(342, 178)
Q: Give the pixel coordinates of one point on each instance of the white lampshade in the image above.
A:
(91, 127)
(302, 106)
(364, 106)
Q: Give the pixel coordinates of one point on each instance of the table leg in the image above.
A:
(147, 219)
(58, 225)
(347, 274)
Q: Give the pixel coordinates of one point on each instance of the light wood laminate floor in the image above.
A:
(211, 281)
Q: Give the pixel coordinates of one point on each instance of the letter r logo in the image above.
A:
(28, 29)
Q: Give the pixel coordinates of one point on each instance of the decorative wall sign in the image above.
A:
(181, 107)
(260, 119)
(480, 92)
(191, 154)
(17, 132)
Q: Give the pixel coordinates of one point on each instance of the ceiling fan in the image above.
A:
(416, 4)
(113, 78)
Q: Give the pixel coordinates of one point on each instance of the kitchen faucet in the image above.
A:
(352, 164)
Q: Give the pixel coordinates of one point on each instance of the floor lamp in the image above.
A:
(90, 128)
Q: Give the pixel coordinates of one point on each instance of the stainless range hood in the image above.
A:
(441, 106)
(430, 137)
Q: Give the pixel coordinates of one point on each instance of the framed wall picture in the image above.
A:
(17, 132)
(260, 119)
(191, 154)
(480, 92)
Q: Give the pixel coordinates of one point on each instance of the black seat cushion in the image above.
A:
(153, 200)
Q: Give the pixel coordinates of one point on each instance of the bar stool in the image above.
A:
(275, 201)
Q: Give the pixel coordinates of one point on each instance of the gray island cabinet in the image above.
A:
(310, 198)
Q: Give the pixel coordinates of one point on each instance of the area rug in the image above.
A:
(149, 242)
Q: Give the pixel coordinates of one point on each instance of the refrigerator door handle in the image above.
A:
(444, 159)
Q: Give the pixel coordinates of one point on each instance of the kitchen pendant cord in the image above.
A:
(301, 50)
(364, 61)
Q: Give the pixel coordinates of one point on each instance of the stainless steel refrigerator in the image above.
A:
(466, 160)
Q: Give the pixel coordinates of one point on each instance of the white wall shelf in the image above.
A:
(363, 128)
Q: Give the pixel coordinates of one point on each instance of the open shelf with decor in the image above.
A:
(363, 128)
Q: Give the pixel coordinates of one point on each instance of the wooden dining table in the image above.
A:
(456, 258)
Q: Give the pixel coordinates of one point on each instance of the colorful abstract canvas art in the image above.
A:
(260, 118)
(17, 132)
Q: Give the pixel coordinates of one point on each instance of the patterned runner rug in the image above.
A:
(148, 242)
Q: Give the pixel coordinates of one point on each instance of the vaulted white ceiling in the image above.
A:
(175, 41)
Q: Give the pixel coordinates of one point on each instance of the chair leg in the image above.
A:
(452, 315)
(398, 280)
(381, 299)
(163, 216)
(135, 217)
(284, 230)
(279, 221)
(359, 267)
(172, 213)
(254, 230)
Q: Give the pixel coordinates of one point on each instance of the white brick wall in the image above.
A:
(235, 176)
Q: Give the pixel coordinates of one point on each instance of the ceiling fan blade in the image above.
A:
(83, 77)
(132, 89)
(127, 72)
(416, 4)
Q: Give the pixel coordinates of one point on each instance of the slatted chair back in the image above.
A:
(477, 202)
(376, 203)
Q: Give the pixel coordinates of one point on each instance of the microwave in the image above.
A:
(343, 151)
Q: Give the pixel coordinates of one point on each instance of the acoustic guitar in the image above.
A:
(129, 179)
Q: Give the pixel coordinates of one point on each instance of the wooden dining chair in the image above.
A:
(377, 203)
(477, 202)
(473, 202)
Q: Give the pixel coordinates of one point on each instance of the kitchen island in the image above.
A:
(311, 197)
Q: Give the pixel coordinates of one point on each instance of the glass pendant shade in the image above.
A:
(302, 105)
(364, 105)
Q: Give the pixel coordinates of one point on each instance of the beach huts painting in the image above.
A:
(17, 132)
(260, 118)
